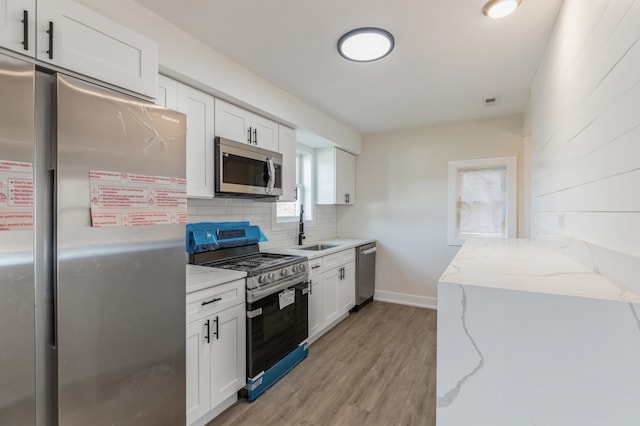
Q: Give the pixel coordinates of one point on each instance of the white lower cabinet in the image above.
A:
(333, 290)
(197, 367)
(215, 348)
(330, 283)
(315, 297)
(347, 288)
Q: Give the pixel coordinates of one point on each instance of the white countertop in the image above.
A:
(339, 243)
(529, 265)
(201, 277)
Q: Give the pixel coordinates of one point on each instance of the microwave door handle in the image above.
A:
(272, 176)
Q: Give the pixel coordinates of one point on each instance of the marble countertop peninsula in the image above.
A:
(532, 266)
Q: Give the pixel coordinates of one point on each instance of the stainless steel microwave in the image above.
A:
(244, 170)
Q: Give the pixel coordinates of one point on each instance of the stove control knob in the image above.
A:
(262, 279)
(301, 267)
(284, 272)
(294, 268)
(270, 276)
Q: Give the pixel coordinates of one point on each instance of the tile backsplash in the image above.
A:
(260, 213)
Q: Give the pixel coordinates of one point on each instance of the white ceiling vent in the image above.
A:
(489, 102)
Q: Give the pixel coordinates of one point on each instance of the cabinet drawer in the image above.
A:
(214, 299)
(315, 267)
(338, 259)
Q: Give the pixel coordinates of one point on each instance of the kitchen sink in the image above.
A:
(317, 247)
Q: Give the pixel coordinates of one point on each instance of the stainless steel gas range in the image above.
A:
(277, 309)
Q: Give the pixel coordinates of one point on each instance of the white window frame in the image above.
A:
(510, 163)
(288, 222)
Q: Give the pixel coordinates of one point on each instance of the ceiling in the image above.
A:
(448, 56)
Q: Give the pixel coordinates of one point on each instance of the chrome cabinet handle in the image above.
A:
(249, 135)
(207, 336)
(255, 136)
(217, 332)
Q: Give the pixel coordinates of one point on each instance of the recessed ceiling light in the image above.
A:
(366, 44)
(500, 8)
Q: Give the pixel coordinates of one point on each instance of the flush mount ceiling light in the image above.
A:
(500, 8)
(366, 44)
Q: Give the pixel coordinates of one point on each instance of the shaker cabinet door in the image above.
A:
(16, 32)
(198, 107)
(74, 37)
(197, 369)
(228, 353)
(287, 147)
(347, 290)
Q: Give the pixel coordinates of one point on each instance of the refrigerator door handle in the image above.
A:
(54, 263)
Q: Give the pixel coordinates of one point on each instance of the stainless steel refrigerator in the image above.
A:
(92, 312)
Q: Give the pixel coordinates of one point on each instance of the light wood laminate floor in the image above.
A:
(377, 367)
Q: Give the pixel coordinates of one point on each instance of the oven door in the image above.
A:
(245, 169)
(276, 325)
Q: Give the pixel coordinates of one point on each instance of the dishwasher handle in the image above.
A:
(365, 252)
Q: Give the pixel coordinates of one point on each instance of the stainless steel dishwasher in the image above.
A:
(365, 274)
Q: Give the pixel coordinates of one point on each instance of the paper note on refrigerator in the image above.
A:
(126, 199)
(16, 195)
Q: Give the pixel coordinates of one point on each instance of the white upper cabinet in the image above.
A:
(167, 92)
(336, 180)
(18, 26)
(240, 125)
(198, 107)
(73, 37)
(287, 147)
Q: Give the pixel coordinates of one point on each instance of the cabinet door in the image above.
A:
(198, 107)
(347, 289)
(232, 122)
(287, 147)
(15, 33)
(197, 370)
(330, 283)
(228, 353)
(315, 306)
(167, 92)
(265, 132)
(345, 177)
(75, 37)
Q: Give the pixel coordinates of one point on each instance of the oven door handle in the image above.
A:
(256, 294)
(272, 176)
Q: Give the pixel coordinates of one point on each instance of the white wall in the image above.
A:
(585, 124)
(260, 213)
(401, 186)
(186, 59)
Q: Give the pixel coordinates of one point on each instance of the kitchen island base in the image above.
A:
(564, 351)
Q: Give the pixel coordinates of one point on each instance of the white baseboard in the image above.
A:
(406, 299)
